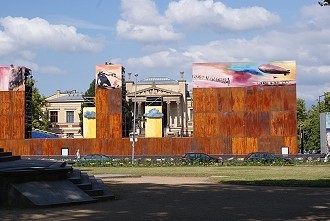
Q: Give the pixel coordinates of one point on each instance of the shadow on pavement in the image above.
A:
(203, 201)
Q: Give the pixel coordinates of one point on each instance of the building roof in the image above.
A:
(157, 80)
(68, 97)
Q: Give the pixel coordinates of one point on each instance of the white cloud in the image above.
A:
(217, 16)
(20, 33)
(142, 22)
(309, 47)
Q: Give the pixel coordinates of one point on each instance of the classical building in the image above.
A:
(63, 113)
(172, 98)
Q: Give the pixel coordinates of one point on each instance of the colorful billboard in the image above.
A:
(12, 78)
(243, 74)
(108, 76)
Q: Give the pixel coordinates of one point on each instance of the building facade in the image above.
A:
(173, 98)
(63, 113)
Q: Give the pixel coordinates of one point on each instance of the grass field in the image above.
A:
(298, 175)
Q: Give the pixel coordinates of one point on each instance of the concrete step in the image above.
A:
(75, 176)
(85, 184)
(99, 184)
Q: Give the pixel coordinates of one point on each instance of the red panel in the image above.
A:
(114, 101)
(277, 123)
(292, 143)
(198, 100)
(224, 124)
(251, 99)
(6, 126)
(276, 144)
(5, 99)
(251, 124)
(277, 103)
(115, 126)
(290, 98)
(264, 123)
(237, 124)
(238, 98)
(225, 103)
(238, 145)
(264, 144)
(18, 127)
(18, 102)
(290, 123)
(264, 98)
(199, 124)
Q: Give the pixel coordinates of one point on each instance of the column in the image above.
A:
(168, 115)
(178, 113)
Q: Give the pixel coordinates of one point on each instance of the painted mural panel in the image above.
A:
(12, 78)
(243, 74)
(108, 76)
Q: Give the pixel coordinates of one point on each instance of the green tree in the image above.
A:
(39, 117)
(312, 129)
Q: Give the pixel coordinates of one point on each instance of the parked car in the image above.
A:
(266, 157)
(203, 157)
(95, 157)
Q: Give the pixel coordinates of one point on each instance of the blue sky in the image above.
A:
(62, 41)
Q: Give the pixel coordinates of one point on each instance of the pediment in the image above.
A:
(154, 91)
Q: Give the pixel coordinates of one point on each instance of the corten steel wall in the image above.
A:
(226, 121)
(12, 114)
(245, 119)
(108, 113)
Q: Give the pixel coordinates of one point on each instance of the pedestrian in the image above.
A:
(77, 155)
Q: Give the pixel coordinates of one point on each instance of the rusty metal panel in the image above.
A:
(225, 102)
(238, 98)
(18, 102)
(115, 125)
(224, 124)
(202, 144)
(264, 98)
(276, 144)
(227, 145)
(212, 125)
(251, 124)
(198, 100)
(290, 123)
(251, 99)
(237, 124)
(166, 147)
(277, 103)
(277, 123)
(211, 96)
(290, 98)
(114, 101)
(5, 99)
(251, 145)
(264, 144)
(292, 143)
(6, 127)
(18, 123)
(102, 125)
(264, 123)
(238, 145)
(199, 124)
(101, 101)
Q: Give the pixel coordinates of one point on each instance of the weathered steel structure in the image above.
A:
(233, 120)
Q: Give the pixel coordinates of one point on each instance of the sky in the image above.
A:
(62, 41)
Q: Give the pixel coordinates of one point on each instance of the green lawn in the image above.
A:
(298, 175)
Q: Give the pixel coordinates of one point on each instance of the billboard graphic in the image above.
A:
(108, 76)
(243, 74)
(12, 78)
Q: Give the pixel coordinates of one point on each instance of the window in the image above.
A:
(70, 135)
(69, 116)
(191, 114)
(53, 116)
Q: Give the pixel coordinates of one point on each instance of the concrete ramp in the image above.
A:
(46, 193)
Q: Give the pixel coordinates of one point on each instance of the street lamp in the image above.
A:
(325, 94)
(134, 119)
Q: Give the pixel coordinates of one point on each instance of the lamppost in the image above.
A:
(134, 119)
(325, 94)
